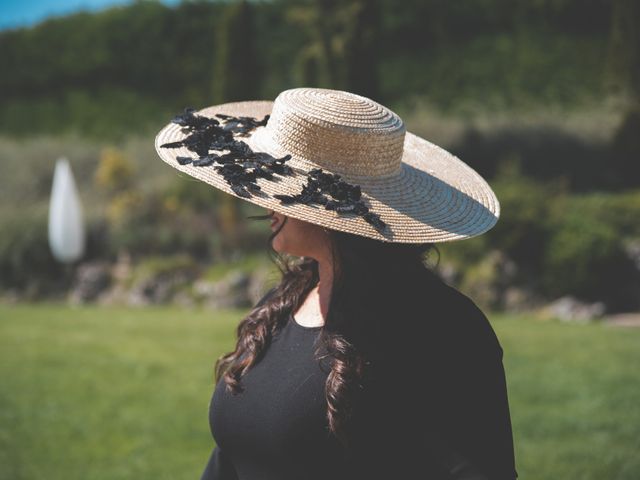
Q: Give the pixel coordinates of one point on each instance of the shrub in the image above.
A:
(527, 209)
(26, 261)
(115, 171)
(585, 254)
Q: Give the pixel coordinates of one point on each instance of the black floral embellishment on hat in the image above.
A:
(347, 197)
(241, 166)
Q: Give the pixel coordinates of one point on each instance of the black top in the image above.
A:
(440, 407)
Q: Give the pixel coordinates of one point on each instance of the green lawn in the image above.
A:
(95, 393)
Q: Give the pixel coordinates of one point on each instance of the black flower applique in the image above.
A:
(241, 166)
(346, 197)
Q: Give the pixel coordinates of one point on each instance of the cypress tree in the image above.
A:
(362, 50)
(236, 77)
(237, 71)
(624, 73)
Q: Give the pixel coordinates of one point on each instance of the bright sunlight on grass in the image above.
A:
(119, 393)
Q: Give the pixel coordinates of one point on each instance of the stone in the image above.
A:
(570, 309)
(230, 292)
(520, 299)
(92, 278)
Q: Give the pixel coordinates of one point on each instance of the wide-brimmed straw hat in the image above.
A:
(335, 159)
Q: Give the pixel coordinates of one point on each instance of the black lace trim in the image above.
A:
(241, 166)
(206, 133)
(346, 196)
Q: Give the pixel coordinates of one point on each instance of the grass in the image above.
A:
(94, 393)
(121, 393)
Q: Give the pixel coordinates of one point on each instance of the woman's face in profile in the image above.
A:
(297, 237)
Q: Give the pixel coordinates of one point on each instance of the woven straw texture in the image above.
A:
(424, 193)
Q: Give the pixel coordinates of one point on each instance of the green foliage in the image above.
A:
(151, 226)
(122, 205)
(26, 262)
(248, 263)
(585, 255)
(120, 70)
(499, 70)
(97, 113)
(623, 66)
(153, 266)
(480, 279)
(624, 165)
(131, 68)
(361, 47)
(620, 211)
(186, 215)
(187, 194)
(465, 253)
(581, 253)
(341, 45)
(527, 209)
(164, 264)
(624, 75)
(146, 47)
(25, 257)
(115, 171)
(237, 71)
(561, 243)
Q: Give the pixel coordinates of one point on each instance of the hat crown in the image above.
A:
(343, 132)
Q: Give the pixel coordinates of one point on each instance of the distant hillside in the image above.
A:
(129, 68)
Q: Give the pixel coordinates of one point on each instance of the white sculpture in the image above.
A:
(66, 226)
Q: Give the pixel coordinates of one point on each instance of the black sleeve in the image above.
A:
(219, 467)
(478, 416)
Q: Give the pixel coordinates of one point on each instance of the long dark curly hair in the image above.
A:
(367, 272)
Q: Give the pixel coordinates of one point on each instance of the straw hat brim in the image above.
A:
(435, 197)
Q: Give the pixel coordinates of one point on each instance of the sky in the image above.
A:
(23, 13)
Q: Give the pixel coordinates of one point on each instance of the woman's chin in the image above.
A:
(282, 249)
(277, 245)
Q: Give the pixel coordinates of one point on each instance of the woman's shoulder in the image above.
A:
(443, 317)
(468, 322)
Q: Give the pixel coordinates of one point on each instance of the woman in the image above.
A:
(361, 362)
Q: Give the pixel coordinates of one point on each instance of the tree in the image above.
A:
(624, 70)
(361, 49)
(342, 47)
(237, 71)
(237, 76)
